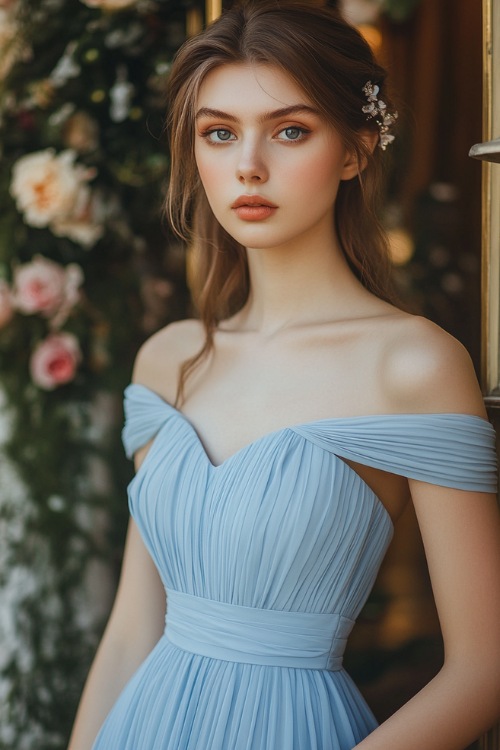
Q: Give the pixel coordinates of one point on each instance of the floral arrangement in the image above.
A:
(87, 271)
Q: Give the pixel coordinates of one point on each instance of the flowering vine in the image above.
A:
(86, 272)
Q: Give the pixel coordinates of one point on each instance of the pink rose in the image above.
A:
(55, 360)
(6, 306)
(45, 287)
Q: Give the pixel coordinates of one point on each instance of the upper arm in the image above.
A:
(159, 360)
(461, 536)
(141, 595)
(431, 372)
(140, 599)
(138, 612)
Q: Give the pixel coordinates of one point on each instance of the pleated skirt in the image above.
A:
(178, 700)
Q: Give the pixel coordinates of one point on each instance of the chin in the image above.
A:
(257, 237)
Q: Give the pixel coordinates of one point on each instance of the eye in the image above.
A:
(219, 135)
(293, 134)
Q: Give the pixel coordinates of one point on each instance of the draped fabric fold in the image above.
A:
(451, 450)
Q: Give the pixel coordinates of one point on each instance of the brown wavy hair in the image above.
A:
(331, 62)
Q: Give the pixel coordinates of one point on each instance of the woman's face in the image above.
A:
(260, 141)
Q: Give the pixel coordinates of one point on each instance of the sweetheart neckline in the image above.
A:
(296, 428)
(217, 468)
(300, 425)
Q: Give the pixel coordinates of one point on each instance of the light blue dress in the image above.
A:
(267, 561)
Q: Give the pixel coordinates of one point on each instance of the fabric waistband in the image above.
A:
(250, 635)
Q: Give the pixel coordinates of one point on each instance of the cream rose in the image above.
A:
(6, 305)
(45, 287)
(51, 191)
(55, 361)
(46, 187)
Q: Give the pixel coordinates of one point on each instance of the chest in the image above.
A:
(239, 402)
(243, 392)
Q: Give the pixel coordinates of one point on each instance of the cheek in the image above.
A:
(315, 168)
(212, 172)
(214, 182)
(322, 172)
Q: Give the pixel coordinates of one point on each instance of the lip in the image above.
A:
(252, 200)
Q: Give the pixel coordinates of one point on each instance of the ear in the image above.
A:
(353, 166)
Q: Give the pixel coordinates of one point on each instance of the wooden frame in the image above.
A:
(490, 344)
(489, 152)
(491, 208)
(213, 10)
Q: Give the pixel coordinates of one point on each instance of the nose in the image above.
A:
(251, 166)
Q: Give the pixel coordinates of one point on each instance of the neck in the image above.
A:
(296, 285)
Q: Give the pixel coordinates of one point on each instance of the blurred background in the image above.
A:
(89, 269)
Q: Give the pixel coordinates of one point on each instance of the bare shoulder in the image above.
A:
(427, 370)
(159, 359)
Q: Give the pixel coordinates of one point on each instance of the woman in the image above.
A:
(308, 411)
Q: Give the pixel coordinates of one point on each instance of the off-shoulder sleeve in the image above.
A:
(145, 414)
(451, 450)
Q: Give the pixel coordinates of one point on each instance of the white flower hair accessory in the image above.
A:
(376, 109)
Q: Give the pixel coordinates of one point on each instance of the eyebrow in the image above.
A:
(294, 109)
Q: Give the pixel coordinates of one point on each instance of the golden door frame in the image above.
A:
(195, 20)
(489, 151)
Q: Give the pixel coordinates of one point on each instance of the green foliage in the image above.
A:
(399, 10)
(90, 82)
